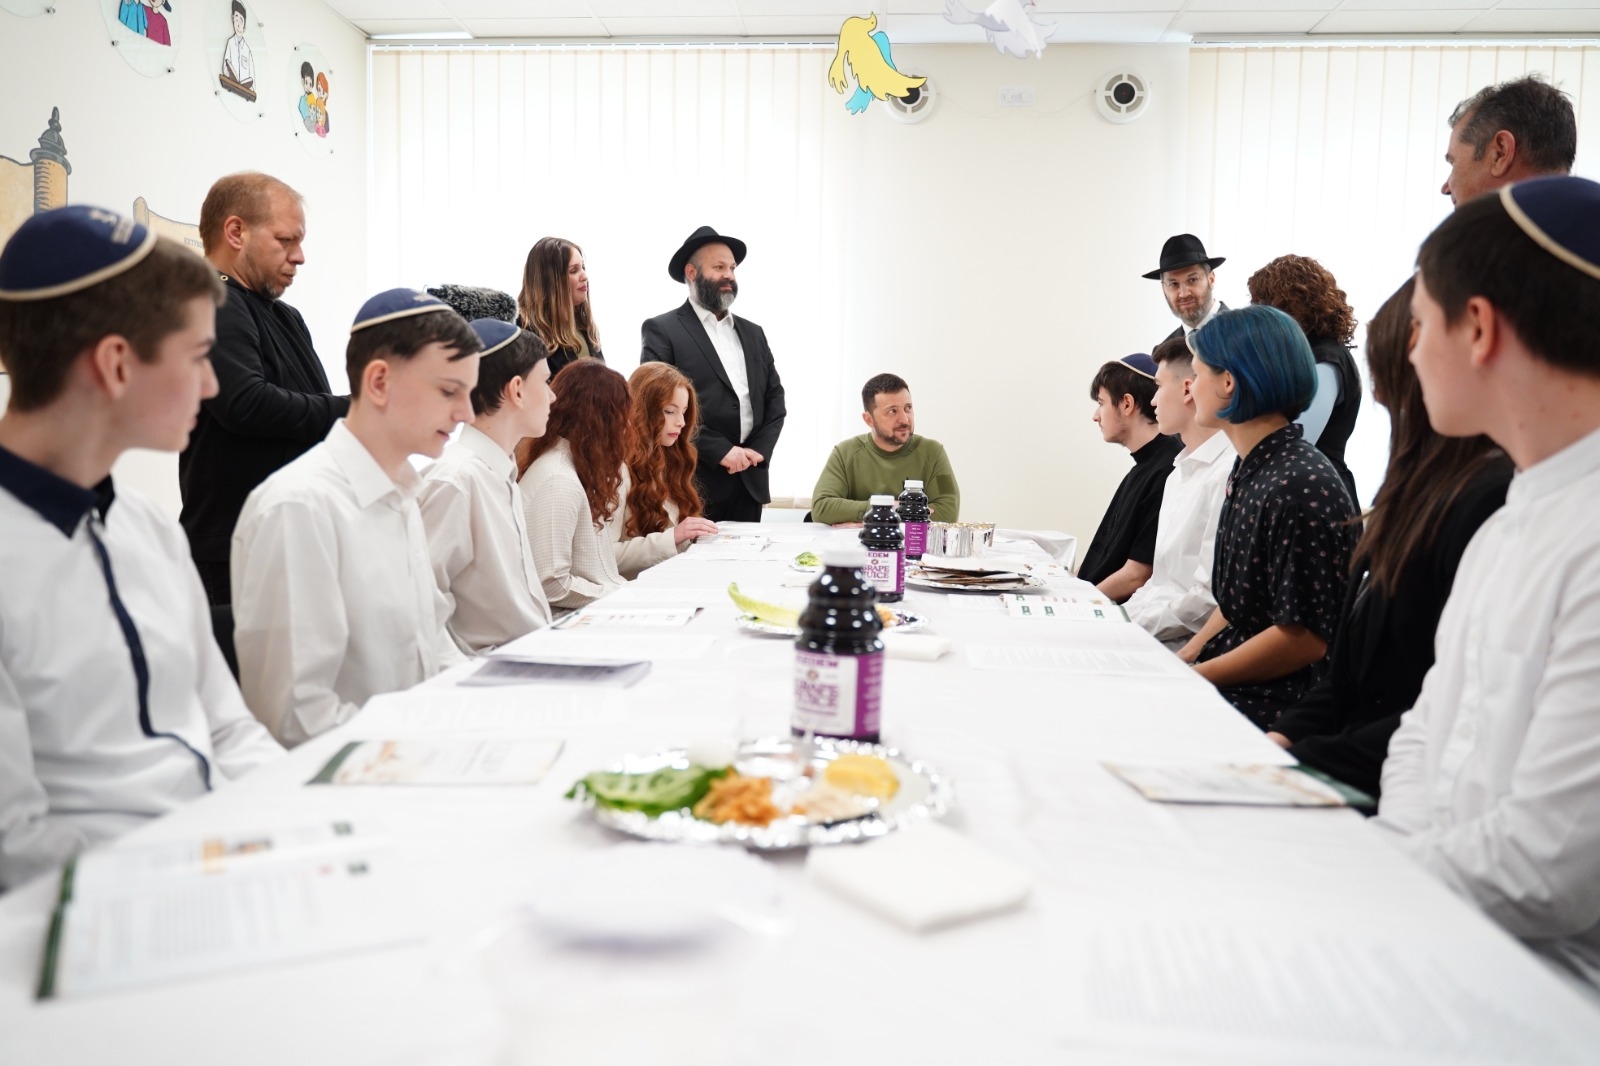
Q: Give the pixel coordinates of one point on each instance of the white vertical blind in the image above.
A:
(1338, 154)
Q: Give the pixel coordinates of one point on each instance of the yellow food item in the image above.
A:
(736, 798)
(864, 775)
(887, 616)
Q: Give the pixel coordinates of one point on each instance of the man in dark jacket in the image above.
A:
(741, 397)
(273, 400)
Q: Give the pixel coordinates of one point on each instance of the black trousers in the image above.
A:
(737, 507)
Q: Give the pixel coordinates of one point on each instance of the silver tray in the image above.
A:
(914, 579)
(923, 793)
(907, 623)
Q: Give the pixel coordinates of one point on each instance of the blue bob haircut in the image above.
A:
(1267, 354)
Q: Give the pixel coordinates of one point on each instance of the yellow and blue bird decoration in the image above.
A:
(865, 49)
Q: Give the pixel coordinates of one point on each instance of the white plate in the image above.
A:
(923, 793)
(908, 623)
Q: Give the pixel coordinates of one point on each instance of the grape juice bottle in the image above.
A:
(916, 515)
(881, 535)
(838, 657)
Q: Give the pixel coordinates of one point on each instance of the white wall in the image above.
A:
(168, 138)
(991, 257)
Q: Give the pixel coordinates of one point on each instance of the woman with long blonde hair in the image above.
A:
(661, 510)
(554, 304)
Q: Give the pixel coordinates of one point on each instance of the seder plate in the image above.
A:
(924, 793)
(905, 622)
(916, 578)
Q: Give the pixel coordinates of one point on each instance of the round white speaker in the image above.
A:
(1122, 96)
(915, 106)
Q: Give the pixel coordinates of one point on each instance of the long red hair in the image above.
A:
(591, 413)
(660, 473)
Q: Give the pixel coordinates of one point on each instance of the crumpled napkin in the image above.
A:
(924, 647)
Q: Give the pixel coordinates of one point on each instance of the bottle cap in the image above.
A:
(910, 484)
(882, 501)
(852, 555)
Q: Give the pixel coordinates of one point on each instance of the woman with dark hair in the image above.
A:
(661, 511)
(1436, 492)
(570, 479)
(554, 304)
(1285, 532)
(1303, 289)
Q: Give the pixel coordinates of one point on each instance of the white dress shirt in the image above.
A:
(1177, 600)
(478, 541)
(637, 554)
(730, 350)
(236, 55)
(79, 762)
(576, 562)
(333, 593)
(1493, 779)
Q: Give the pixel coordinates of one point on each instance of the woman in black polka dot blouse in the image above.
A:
(1286, 530)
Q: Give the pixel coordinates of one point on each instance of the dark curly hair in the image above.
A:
(1303, 289)
(592, 412)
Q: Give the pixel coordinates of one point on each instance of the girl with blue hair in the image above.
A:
(1287, 526)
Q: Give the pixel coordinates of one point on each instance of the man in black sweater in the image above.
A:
(273, 401)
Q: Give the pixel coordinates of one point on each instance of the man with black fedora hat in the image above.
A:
(730, 363)
(1187, 277)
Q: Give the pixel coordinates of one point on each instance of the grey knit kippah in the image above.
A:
(471, 301)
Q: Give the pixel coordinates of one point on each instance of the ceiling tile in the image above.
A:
(520, 28)
(1139, 27)
(674, 27)
(1395, 21)
(1250, 22)
(511, 9)
(1259, 8)
(1548, 5)
(1529, 21)
(1468, 7)
(794, 25)
(359, 10)
(1130, 8)
(372, 27)
(801, 8)
(630, 9)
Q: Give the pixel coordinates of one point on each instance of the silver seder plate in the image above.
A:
(923, 793)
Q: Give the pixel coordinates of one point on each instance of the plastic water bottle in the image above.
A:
(886, 549)
(916, 514)
(838, 657)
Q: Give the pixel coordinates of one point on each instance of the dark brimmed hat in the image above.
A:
(493, 334)
(698, 239)
(59, 252)
(1184, 250)
(397, 303)
(1140, 364)
(1562, 215)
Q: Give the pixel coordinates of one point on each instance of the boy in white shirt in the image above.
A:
(333, 593)
(115, 703)
(1177, 600)
(1492, 782)
(471, 506)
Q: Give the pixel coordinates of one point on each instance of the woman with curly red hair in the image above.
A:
(1303, 289)
(661, 508)
(570, 479)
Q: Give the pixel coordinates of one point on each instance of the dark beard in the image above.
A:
(710, 296)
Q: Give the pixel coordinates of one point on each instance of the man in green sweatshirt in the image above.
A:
(883, 460)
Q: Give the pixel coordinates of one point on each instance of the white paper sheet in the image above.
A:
(1074, 660)
(546, 645)
(624, 616)
(440, 761)
(546, 711)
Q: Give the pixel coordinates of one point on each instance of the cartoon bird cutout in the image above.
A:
(866, 49)
(1007, 24)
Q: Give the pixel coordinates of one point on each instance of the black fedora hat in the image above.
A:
(1183, 250)
(698, 239)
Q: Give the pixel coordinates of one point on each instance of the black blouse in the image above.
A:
(1384, 648)
(1342, 420)
(1282, 558)
(1128, 529)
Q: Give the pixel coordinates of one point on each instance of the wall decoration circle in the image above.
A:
(236, 56)
(27, 8)
(145, 33)
(312, 84)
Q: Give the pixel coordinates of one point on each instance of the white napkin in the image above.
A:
(1061, 546)
(922, 877)
(924, 647)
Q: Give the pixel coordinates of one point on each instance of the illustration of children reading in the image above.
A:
(238, 62)
(156, 21)
(321, 105)
(134, 15)
(308, 97)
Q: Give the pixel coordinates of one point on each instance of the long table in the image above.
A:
(1154, 933)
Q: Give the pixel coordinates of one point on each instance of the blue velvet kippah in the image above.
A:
(494, 334)
(396, 303)
(66, 250)
(1140, 363)
(1562, 215)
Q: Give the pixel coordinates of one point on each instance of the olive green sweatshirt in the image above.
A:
(858, 468)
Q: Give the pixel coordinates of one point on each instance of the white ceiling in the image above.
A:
(922, 21)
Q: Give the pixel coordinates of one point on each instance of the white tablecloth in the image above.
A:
(1154, 933)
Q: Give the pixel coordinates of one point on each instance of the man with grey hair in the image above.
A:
(1524, 128)
(273, 400)
(728, 360)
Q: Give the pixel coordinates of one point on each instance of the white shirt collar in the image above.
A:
(1555, 473)
(708, 318)
(481, 446)
(1208, 451)
(369, 480)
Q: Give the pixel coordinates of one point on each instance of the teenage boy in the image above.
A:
(115, 704)
(1177, 600)
(1493, 779)
(471, 506)
(333, 593)
(1119, 558)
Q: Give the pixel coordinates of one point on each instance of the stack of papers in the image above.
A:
(956, 573)
(1076, 608)
(726, 546)
(1238, 785)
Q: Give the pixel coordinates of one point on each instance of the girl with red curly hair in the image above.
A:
(661, 508)
(570, 479)
(1303, 289)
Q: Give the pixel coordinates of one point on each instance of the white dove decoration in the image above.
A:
(1007, 24)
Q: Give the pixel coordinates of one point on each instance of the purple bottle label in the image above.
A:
(916, 539)
(885, 570)
(837, 695)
